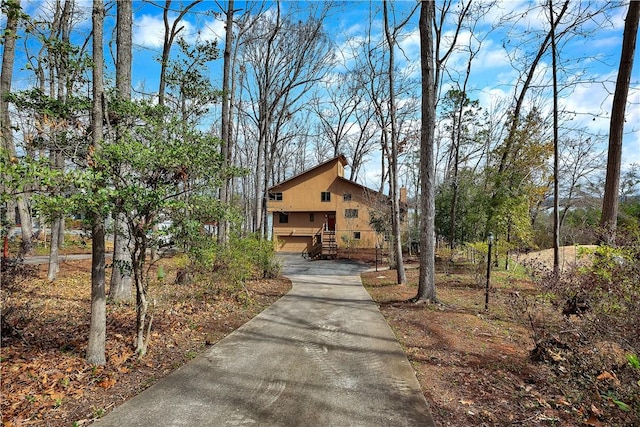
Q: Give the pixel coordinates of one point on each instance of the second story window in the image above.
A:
(275, 197)
(351, 213)
(346, 197)
(325, 196)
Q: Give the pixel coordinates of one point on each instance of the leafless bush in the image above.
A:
(584, 323)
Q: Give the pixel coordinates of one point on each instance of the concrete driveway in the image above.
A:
(321, 356)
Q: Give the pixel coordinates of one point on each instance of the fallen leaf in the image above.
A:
(593, 421)
(556, 356)
(607, 376)
(118, 360)
(107, 383)
(466, 402)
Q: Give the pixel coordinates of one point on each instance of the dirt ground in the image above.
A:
(473, 364)
(45, 380)
(569, 256)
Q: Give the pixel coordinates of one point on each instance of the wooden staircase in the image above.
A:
(324, 245)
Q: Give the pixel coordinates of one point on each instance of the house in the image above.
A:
(319, 210)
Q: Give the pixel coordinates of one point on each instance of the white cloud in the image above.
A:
(149, 30)
(612, 42)
(490, 56)
(631, 142)
(410, 45)
(212, 30)
(43, 11)
(503, 7)
(493, 99)
(592, 104)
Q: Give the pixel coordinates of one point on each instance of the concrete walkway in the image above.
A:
(322, 355)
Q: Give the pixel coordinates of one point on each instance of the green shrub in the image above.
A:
(243, 259)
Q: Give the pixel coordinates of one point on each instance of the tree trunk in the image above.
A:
(426, 281)
(97, 327)
(63, 88)
(61, 228)
(455, 140)
(393, 161)
(120, 285)
(6, 132)
(259, 184)
(556, 160)
(225, 151)
(58, 87)
(141, 300)
(54, 262)
(616, 128)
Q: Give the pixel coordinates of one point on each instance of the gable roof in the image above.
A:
(341, 178)
(341, 158)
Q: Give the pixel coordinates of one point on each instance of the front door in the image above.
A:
(331, 222)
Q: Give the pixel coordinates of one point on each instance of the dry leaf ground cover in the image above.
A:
(45, 380)
(474, 366)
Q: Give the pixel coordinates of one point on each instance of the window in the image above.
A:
(312, 217)
(351, 213)
(284, 218)
(275, 196)
(325, 196)
(346, 197)
(356, 235)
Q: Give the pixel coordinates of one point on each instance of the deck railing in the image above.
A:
(324, 245)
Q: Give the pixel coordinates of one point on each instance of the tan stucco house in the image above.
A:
(319, 210)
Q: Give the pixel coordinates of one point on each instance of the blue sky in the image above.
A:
(493, 74)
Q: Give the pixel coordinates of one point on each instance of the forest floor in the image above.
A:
(45, 380)
(473, 365)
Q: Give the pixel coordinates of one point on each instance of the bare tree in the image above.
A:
(278, 75)
(442, 53)
(556, 156)
(580, 159)
(612, 184)
(426, 280)
(59, 85)
(393, 159)
(171, 31)
(345, 118)
(226, 123)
